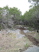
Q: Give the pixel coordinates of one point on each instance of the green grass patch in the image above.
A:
(26, 45)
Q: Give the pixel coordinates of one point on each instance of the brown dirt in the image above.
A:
(31, 38)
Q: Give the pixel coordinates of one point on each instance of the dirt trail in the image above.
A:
(32, 39)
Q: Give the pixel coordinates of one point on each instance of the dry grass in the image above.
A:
(9, 43)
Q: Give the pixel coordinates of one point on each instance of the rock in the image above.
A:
(32, 49)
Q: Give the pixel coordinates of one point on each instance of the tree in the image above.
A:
(35, 12)
(15, 13)
(32, 17)
(35, 2)
(9, 16)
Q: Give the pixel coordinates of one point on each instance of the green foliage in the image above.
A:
(0, 17)
(30, 18)
(9, 16)
(15, 12)
(35, 2)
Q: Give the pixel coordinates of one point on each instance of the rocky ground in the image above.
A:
(16, 40)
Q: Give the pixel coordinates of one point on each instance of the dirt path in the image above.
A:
(32, 39)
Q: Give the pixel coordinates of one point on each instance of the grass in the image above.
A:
(26, 45)
(37, 36)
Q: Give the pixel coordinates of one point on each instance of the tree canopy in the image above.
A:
(35, 2)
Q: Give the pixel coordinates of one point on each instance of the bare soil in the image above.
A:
(32, 37)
